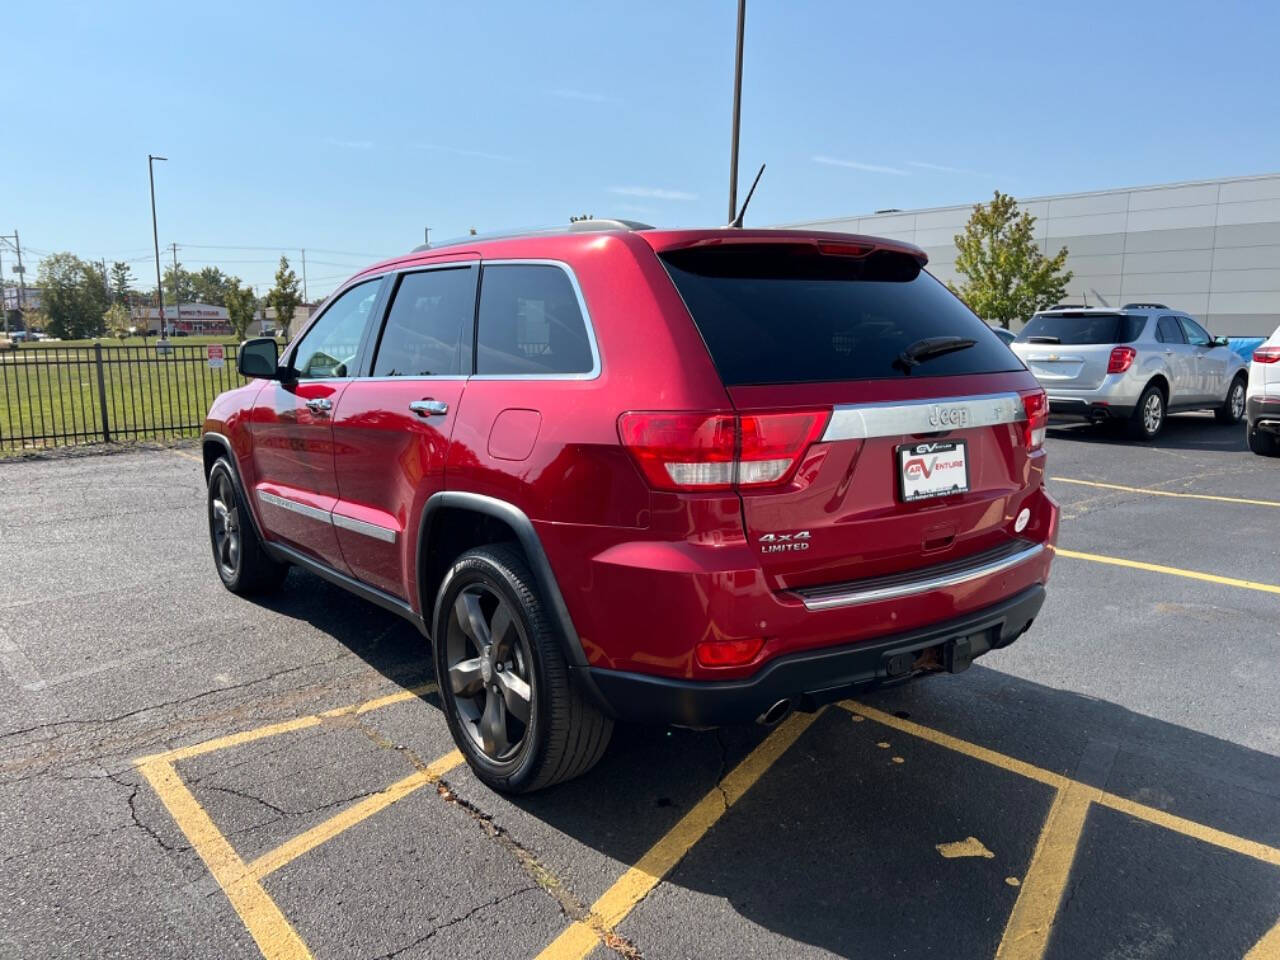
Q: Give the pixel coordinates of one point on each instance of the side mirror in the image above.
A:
(1221, 342)
(260, 358)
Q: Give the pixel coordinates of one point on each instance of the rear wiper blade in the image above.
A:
(1044, 339)
(928, 348)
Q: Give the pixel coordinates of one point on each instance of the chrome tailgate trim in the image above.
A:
(862, 421)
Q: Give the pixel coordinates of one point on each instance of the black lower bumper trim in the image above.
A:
(1263, 413)
(1060, 409)
(811, 679)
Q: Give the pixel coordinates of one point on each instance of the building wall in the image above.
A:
(1211, 248)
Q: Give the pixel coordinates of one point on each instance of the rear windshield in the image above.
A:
(1079, 328)
(781, 313)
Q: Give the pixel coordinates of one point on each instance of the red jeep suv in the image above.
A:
(619, 473)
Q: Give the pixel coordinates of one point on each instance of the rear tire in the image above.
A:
(513, 710)
(1232, 409)
(238, 555)
(1149, 415)
(1262, 443)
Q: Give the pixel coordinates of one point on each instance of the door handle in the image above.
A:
(320, 405)
(429, 408)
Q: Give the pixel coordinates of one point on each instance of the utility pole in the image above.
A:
(177, 286)
(304, 276)
(155, 238)
(4, 304)
(737, 114)
(426, 236)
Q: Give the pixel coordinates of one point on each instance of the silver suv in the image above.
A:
(1136, 364)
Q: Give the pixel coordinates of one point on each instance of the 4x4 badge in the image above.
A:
(785, 542)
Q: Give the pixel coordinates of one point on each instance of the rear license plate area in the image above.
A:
(929, 470)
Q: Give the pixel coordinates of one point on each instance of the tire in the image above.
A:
(1262, 443)
(488, 681)
(243, 565)
(1232, 409)
(1149, 415)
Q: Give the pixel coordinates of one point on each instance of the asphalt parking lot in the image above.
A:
(187, 774)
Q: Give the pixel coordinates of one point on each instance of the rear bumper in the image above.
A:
(1263, 413)
(811, 679)
(1088, 408)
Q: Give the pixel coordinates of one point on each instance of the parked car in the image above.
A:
(1136, 365)
(1006, 335)
(1263, 402)
(688, 477)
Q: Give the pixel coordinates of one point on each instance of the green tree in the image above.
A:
(177, 284)
(121, 278)
(241, 305)
(118, 320)
(284, 296)
(1006, 276)
(211, 285)
(74, 296)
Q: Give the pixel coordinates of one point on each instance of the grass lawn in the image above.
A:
(49, 389)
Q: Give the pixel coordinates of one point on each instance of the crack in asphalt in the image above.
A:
(454, 922)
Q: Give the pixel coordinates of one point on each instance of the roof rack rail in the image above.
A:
(1144, 306)
(1070, 306)
(576, 226)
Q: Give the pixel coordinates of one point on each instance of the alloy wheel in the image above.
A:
(1153, 413)
(224, 519)
(1237, 401)
(490, 671)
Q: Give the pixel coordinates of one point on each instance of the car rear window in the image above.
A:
(1082, 328)
(783, 313)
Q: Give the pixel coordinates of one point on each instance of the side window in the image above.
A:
(329, 348)
(428, 329)
(1168, 331)
(529, 322)
(1196, 335)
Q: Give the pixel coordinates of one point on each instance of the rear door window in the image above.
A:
(1078, 329)
(428, 329)
(783, 313)
(530, 323)
(1169, 331)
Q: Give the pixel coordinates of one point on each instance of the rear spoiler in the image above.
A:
(830, 244)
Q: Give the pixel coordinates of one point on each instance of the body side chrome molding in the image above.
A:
(863, 421)
(891, 588)
(377, 531)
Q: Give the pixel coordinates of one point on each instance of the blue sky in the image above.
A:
(346, 128)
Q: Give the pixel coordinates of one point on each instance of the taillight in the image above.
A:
(1036, 405)
(716, 451)
(1121, 359)
(1266, 355)
(727, 653)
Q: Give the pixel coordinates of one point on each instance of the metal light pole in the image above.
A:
(737, 113)
(155, 237)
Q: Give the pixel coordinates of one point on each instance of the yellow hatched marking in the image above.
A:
(1167, 493)
(1268, 948)
(1171, 571)
(274, 935)
(581, 937)
(1026, 935)
(291, 849)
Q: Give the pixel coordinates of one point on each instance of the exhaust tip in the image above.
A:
(775, 714)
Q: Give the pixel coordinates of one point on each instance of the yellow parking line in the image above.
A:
(291, 849)
(1026, 935)
(287, 726)
(1140, 811)
(1166, 493)
(189, 456)
(581, 937)
(1268, 948)
(273, 933)
(1171, 571)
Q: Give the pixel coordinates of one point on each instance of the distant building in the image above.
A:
(30, 298)
(210, 320)
(1210, 247)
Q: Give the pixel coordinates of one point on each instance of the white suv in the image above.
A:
(1264, 398)
(1136, 364)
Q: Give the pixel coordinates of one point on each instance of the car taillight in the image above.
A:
(1121, 359)
(727, 653)
(717, 451)
(1036, 405)
(1266, 355)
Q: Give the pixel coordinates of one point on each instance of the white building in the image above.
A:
(1210, 247)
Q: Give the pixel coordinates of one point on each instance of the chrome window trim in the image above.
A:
(284, 503)
(591, 374)
(858, 595)
(863, 421)
(375, 530)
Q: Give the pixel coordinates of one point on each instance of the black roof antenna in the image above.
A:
(737, 221)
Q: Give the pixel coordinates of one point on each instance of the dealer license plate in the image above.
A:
(927, 470)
